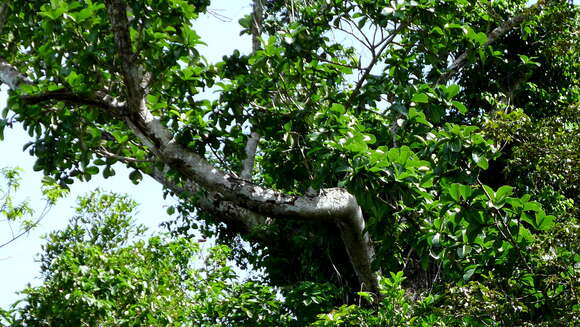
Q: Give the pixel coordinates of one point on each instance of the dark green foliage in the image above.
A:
(102, 270)
(467, 176)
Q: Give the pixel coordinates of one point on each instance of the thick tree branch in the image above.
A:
(133, 75)
(254, 138)
(99, 99)
(3, 15)
(257, 18)
(248, 163)
(242, 219)
(11, 76)
(332, 205)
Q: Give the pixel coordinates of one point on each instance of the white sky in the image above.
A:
(17, 260)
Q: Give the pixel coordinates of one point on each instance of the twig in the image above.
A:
(105, 153)
(351, 24)
(383, 44)
(31, 226)
(339, 64)
(215, 13)
(368, 46)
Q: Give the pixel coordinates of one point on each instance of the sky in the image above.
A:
(18, 266)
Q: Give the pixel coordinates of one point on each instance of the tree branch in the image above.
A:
(495, 34)
(102, 151)
(376, 54)
(248, 163)
(11, 76)
(43, 214)
(3, 15)
(254, 138)
(244, 220)
(257, 18)
(367, 42)
(332, 205)
(99, 99)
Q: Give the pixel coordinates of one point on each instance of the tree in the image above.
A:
(100, 270)
(389, 143)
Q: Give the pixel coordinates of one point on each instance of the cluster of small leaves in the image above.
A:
(18, 216)
(522, 299)
(481, 228)
(548, 153)
(395, 309)
(10, 210)
(545, 294)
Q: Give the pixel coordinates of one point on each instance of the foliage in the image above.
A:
(102, 270)
(453, 123)
(395, 309)
(546, 151)
(18, 216)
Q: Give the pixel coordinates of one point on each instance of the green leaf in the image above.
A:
(489, 191)
(503, 192)
(453, 26)
(73, 79)
(420, 98)
(527, 218)
(170, 210)
(454, 191)
(393, 154)
(480, 38)
(452, 90)
(480, 161)
(544, 222)
(437, 30)
(465, 191)
(190, 37)
(135, 177)
(338, 108)
(38, 165)
(93, 170)
(532, 206)
(404, 154)
(365, 295)
(460, 106)
(108, 172)
(469, 271)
